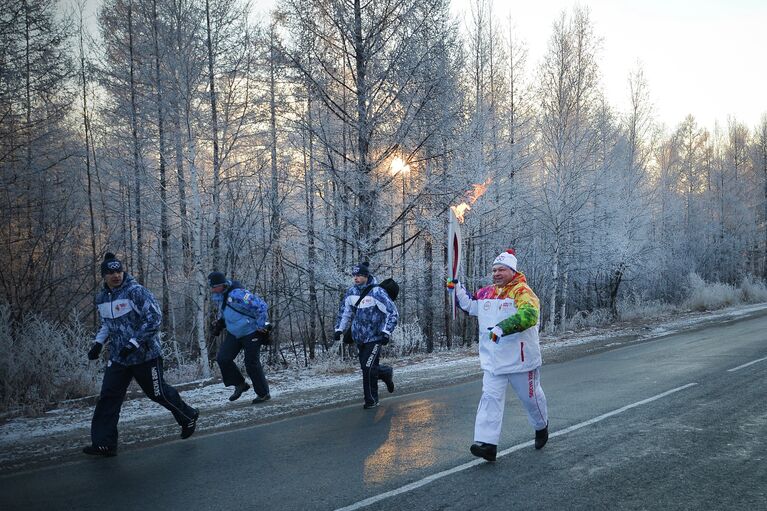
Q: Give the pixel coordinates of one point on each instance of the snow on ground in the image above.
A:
(60, 433)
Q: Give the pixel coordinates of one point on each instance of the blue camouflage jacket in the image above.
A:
(129, 312)
(376, 314)
(245, 312)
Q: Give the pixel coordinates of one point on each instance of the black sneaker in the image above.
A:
(389, 384)
(541, 437)
(368, 406)
(100, 450)
(261, 399)
(238, 390)
(483, 450)
(188, 429)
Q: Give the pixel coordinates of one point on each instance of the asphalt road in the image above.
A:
(675, 423)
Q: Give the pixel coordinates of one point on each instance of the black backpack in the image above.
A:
(391, 287)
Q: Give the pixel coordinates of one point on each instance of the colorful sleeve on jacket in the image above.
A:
(528, 309)
(149, 310)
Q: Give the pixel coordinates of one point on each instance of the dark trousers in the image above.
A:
(229, 350)
(369, 354)
(117, 377)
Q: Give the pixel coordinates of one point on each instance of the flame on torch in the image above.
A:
(477, 191)
(459, 210)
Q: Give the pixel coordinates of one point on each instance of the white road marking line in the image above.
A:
(460, 468)
(746, 365)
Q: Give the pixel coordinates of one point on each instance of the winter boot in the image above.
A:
(100, 450)
(389, 384)
(261, 399)
(238, 390)
(483, 450)
(188, 429)
(541, 437)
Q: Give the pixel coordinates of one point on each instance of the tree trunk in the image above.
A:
(216, 243)
(312, 249)
(139, 265)
(563, 299)
(274, 196)
(429, 291)
(554, 283)
(178, 143)
(164, 231)
(199, 272)
(86, 128)
(366, 188)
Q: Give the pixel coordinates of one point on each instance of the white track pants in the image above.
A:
(487, 427)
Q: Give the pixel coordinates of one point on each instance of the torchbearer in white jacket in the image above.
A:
(509, 352)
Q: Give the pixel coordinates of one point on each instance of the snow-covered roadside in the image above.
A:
(60, 433)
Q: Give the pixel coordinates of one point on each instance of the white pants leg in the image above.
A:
(487, 426)
(528, 388)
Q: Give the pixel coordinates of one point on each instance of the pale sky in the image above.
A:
(702, 57)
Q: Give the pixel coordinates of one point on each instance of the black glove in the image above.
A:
(95, 351)
(337, 335)
(217, 327)
(265, 334)
(385, 338)
(128, 349)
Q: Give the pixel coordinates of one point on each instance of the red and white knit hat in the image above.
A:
(507, 258)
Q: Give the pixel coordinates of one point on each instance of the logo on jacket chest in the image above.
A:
(503, 308)
(115, 309)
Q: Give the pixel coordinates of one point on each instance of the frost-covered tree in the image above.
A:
(40, 174)
(568, 155)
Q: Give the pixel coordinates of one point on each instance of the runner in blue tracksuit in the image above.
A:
(243, 315)
(372, 323)
(130, 322)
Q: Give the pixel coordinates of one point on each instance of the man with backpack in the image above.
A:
(369, 313)
(243, 315)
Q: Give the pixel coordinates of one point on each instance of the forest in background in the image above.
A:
(186, 136)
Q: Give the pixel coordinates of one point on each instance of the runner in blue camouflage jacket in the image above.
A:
(243, 316)
(130, 322)
(372, 323)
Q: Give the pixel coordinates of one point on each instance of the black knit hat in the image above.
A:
(362, 269)
(110, 264)
(216, 278)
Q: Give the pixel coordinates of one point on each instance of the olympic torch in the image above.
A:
(454, 250)
(454, 244)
